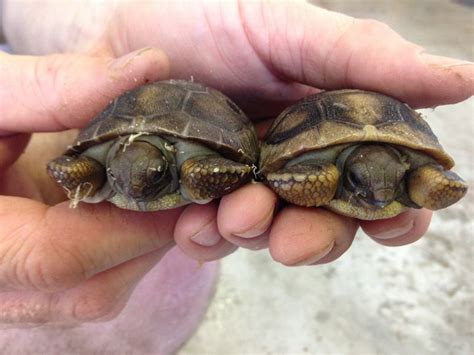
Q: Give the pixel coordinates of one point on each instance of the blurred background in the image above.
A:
(417, 299)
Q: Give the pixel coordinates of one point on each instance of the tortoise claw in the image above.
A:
(207, 178)
(432, 187)
(305, 185)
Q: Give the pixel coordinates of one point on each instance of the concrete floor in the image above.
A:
(375, 300)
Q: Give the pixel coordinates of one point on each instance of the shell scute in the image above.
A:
(176, 108)
(343, 117)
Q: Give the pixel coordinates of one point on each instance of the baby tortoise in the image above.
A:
(359, 153)
(160, 146)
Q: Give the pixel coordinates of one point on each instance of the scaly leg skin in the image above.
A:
(432, 187)
(79, 176)
(305, 185)
(209, 177)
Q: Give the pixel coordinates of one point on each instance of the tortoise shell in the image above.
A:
(175, 108)
(342, 117)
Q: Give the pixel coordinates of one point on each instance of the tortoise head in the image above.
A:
(373, 175)
(139, 170)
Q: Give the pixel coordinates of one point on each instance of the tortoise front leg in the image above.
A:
(432, 187)
(79, 176)
(305, 185)
(209, 177)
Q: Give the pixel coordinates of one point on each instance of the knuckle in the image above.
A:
(47, 79)
(50, 267)
(43, 76)
(33, 256)
(378, 31)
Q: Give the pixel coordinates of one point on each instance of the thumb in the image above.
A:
(62, 91)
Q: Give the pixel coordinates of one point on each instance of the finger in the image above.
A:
(403, 229)
(61, 91)
(246, 214)
(53, 248)
(100, 298)
(196, 233)
(262, 126)
(330, 51)
(307, 236)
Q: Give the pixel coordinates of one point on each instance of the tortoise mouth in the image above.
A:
(370, 202)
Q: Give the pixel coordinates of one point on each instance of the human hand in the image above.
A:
(57, 264)
(266, 55)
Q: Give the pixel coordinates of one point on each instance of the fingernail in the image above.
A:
(315, 258)
(395, 232)
(207, 237)
(257, 229)
(123, 61)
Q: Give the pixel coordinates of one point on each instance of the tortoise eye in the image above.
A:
(156, 172)
(154, 175)
(354, 178)
(157, 178)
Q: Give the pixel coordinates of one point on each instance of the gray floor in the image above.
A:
(374, 300)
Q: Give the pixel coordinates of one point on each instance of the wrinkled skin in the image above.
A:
(246, 50)
(164, 297)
